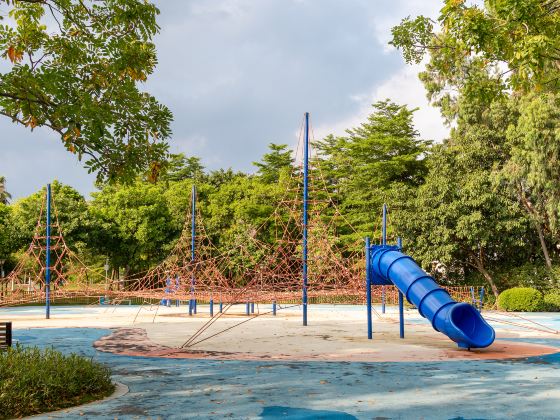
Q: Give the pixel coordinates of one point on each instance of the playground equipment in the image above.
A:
(461, 322)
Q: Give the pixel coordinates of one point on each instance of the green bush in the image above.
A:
(35, 381)
(523, 299)
(552, 301)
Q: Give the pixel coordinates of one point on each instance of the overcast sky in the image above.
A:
(238, 74)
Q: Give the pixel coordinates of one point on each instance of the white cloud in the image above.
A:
(404, 88)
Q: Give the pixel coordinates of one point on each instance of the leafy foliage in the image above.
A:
(132, 225)
(521, 299)
(34, 381)
(70, 208)
(75, 67)
(521, 36)
(385, 153)
(5, 196)
(552, 301)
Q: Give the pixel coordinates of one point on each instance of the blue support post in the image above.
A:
(221, 306)
(177, 283)
(192, 303)
(401, 315)
(166, 301)
(401, 299)
(368, 292)
(383, 242)
(211, 307)
(247, 308)
(274, 307)
(473, 298)
(305, 199)
(252, 307)
(48, 256)
(481, 297)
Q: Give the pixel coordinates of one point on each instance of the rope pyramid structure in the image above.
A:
(69, 276)
(259, 266)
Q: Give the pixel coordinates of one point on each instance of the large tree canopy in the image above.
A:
(493, 71)
(75, 67)
(516, 43)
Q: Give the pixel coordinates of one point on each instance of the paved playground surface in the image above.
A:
(316, 377)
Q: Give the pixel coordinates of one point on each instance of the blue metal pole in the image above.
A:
(305, 199)
(383, 242)
(401, 315)
(274, 307)
(177, 301)
(48, 256)
(368, 292)
(192, 303)
(481, 297)
(252, 307)
(401, 299)
(165, 300)
(384, 226)
(211, 307)
(247, 308)
(221, 307)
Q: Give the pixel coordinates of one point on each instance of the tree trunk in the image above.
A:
(125, 279)
(535, 216)
(486, 275)
(543, 245)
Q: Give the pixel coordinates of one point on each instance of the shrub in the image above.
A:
(523, 299)
(552, 301)
(36, 381)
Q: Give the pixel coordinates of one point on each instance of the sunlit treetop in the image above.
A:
(485, 47)
(75, 66)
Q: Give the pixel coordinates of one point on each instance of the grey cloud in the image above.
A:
(237, 75)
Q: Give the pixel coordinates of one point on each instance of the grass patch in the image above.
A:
(34, 381)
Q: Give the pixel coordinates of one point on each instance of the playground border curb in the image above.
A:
(120, 390)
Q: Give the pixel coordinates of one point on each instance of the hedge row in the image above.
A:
(35, 381)
(527, 299)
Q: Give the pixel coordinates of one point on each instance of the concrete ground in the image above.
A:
(276, 368)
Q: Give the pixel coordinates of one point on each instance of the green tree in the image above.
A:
(363, 168)
(6, 240)
(74, 66)
(273, 163)
(5, 196)
(133, 226)
(69, 209)
(459, 217)
(500, 50)
(518, 39)
(532, 171)
(180, 167)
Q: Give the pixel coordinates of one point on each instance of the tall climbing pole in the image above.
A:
(368, 290)
(305, 199)
(383, 242)
(192, 303)
(48, 256)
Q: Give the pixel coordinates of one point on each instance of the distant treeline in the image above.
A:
(461, 207)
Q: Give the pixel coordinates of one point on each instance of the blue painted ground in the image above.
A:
(316, 390)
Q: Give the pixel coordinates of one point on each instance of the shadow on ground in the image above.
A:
(184, 388)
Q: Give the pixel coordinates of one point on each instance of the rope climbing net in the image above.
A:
(263, 263)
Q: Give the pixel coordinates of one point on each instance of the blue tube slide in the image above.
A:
(461, 322)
